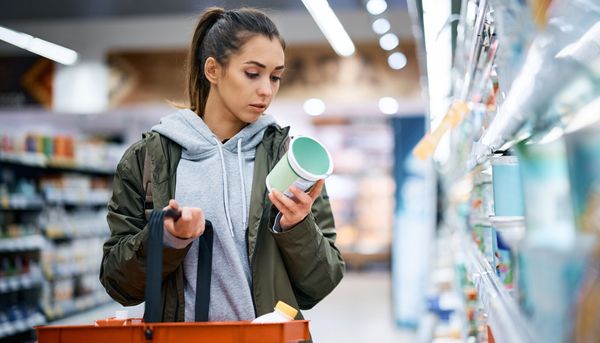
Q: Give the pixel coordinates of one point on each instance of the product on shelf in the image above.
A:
(583, 154)
(508, 196)
(484, 237)
(59, 150)
(552, 248)
(504, 263)
(547, 192)
(482, 201)
(510, 234)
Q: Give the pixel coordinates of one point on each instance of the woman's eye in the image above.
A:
(251, 75)
(275, 78)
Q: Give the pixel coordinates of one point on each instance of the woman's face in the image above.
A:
(251, 79)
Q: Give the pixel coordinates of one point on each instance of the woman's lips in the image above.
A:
(258, 107)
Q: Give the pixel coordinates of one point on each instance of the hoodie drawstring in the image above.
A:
(225, 193)
(242, 183)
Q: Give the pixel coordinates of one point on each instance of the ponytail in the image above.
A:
(198, 85)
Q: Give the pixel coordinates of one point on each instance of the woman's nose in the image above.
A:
(265, 89)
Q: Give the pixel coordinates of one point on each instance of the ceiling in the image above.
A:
(25, 10)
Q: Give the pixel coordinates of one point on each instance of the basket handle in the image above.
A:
(154, 266)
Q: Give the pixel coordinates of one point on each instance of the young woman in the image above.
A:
(210, 162)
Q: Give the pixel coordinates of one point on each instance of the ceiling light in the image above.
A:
(376, 7)
(38, 46)
(388, 41)
(314, 107)
(397, 60)
(388, 105)
(381, 26)
(330, 25)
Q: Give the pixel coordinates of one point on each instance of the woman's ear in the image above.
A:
(211, 70)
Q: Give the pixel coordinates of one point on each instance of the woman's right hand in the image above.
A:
(190, 225)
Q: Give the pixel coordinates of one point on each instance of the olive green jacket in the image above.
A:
(300, 266)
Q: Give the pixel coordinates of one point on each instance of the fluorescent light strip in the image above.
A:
(331, 27)
(38, 46)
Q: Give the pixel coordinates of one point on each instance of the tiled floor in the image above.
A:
(358, 310)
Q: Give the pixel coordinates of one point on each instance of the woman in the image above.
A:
(210, 162)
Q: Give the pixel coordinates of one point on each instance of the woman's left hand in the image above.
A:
(293, 211)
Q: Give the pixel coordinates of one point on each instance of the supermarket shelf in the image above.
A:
(61, 234)
(35, 160)
(11, 328)
(79, 202)
(21, 282)
(505, 320)
(66, 308)
(16, 203)
(56, 271)
(26, 243)
(78, 197)
(474, 53)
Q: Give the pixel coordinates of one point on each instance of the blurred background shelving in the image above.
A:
(53, 222)
(512, 130)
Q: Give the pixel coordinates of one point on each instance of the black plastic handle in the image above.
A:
(173, 213)
(154, 267)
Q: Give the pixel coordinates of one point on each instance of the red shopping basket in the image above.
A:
(214, 332)
(150, 330)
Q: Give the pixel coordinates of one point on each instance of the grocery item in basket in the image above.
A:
(281, 313)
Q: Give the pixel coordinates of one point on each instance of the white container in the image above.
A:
(305, 162)
(282, 313)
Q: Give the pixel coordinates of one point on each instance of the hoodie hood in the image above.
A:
(187, 129)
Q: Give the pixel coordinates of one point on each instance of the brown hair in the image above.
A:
(219, 34)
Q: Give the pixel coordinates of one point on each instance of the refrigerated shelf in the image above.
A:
(506, 321)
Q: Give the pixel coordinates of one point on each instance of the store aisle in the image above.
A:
(358, 310)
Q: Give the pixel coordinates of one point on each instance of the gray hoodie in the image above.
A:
(217, 178)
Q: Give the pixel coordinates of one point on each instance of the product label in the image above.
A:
(300, 183)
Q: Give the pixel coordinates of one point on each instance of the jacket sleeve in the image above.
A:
(314, 264)
(123, 269)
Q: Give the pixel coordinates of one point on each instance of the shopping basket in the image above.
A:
(150, 330)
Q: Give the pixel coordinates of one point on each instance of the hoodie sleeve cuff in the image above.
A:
(277, 226)
(173, 242)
